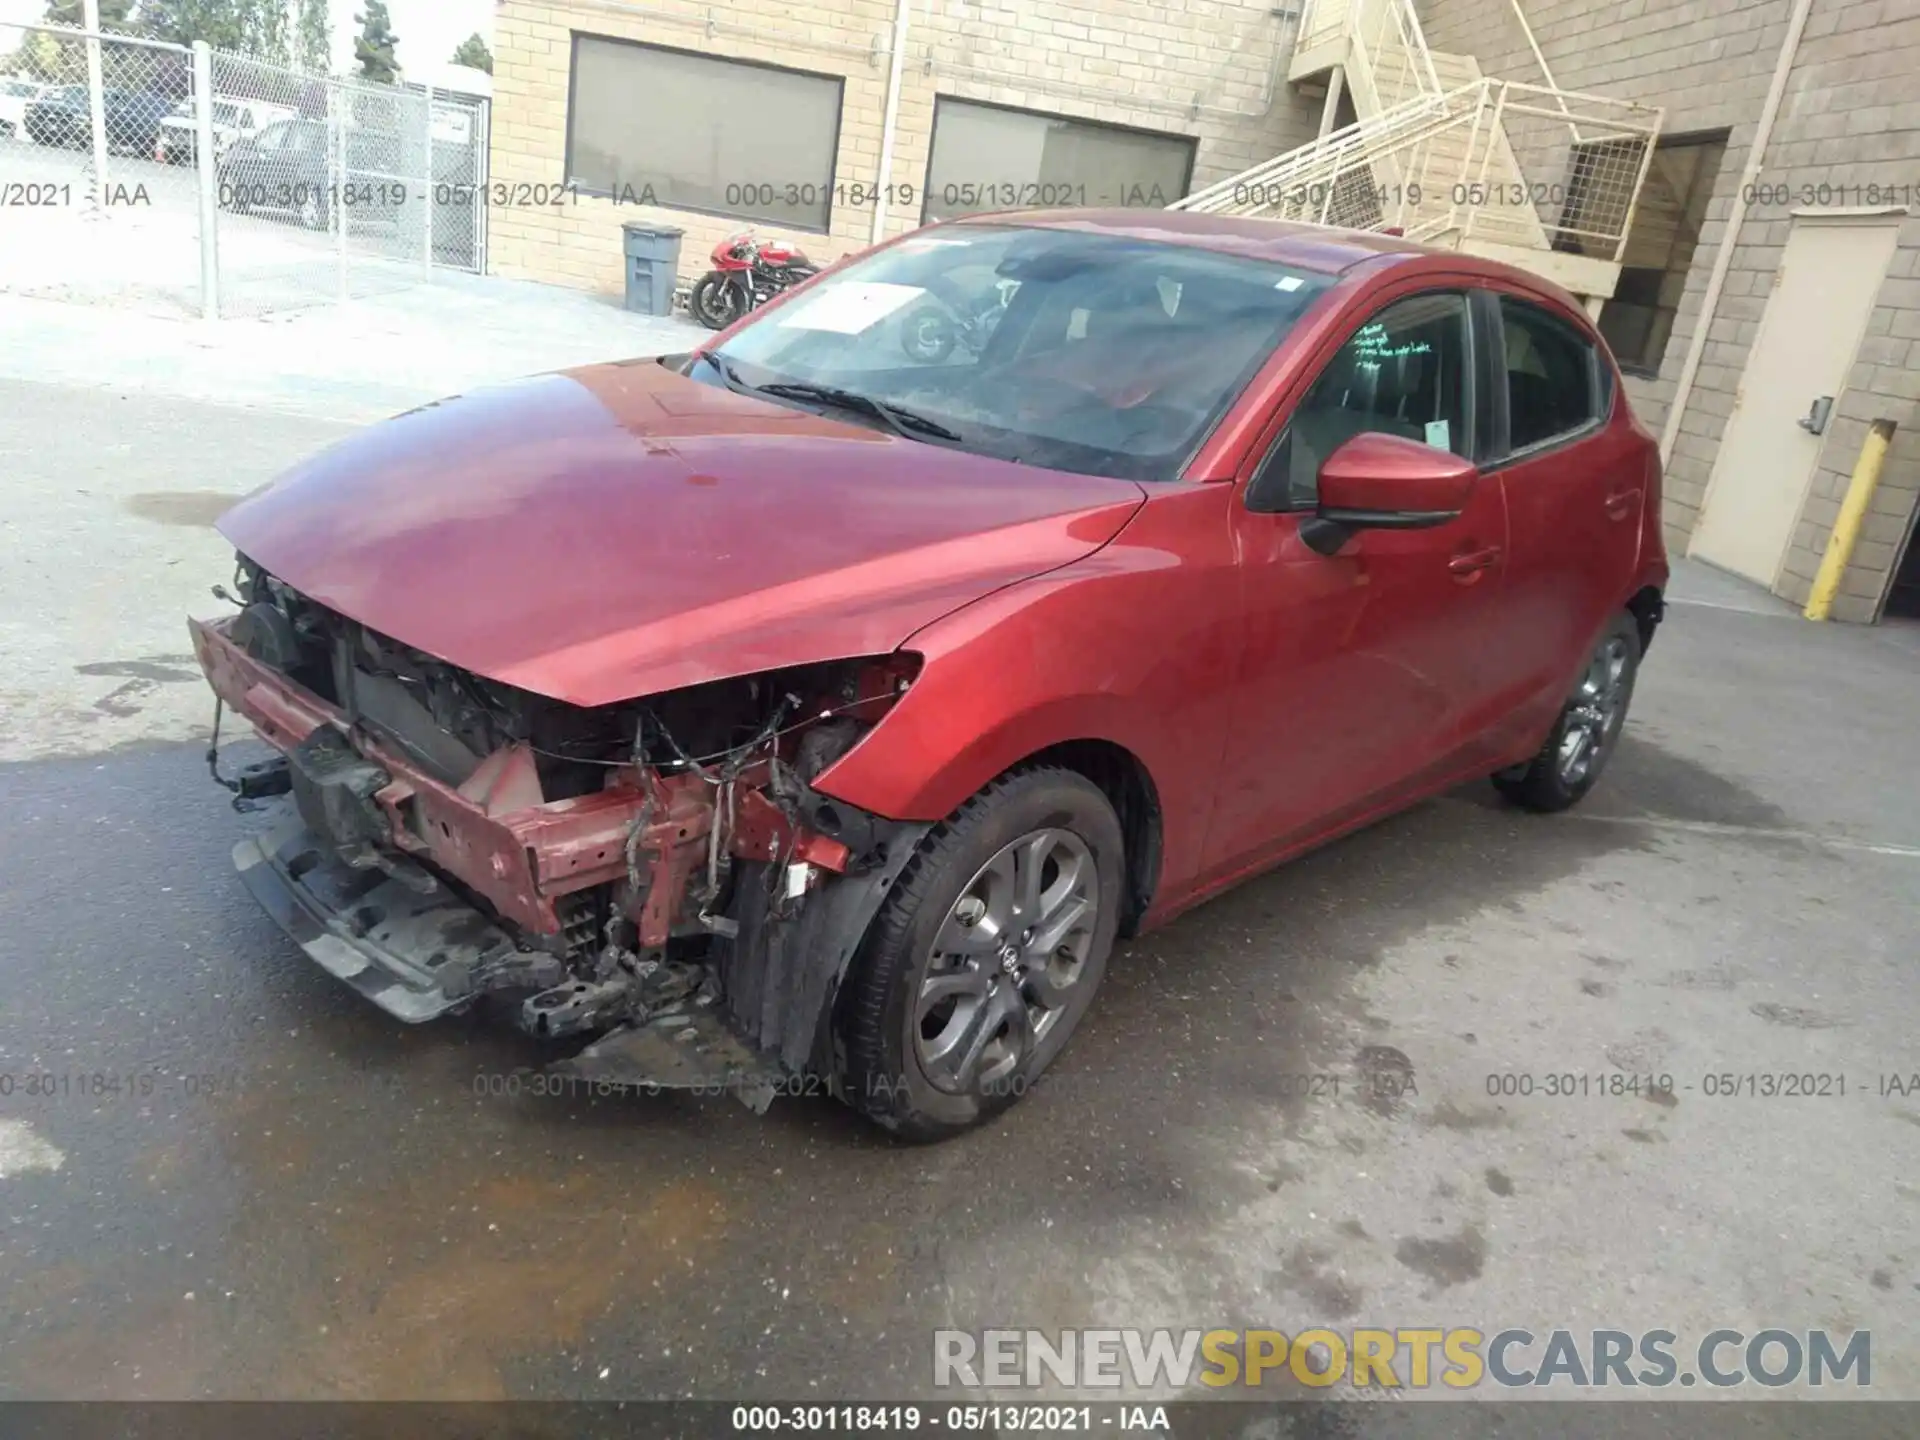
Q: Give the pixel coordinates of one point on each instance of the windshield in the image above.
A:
(1076, 351)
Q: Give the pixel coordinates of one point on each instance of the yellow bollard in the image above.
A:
(1853, 514)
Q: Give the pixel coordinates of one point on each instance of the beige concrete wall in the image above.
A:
(1212, 70)
(1850, 119)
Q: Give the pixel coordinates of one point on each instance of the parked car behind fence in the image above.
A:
(233, 121)
(64, 117)
(15, 96)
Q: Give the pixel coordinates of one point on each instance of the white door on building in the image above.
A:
(1815, 319)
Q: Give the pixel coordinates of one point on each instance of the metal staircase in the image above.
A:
(1531, 174)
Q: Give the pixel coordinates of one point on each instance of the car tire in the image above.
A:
(955, 1006)
(1587, 730)
(313, 208)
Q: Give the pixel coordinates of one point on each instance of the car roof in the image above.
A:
(1306, 247)
(1310, 247)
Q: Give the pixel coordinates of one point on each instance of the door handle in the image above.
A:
(1620, 503)
(1467, 565)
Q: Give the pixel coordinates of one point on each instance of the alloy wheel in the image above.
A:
(1005, 961)
(1593, 715)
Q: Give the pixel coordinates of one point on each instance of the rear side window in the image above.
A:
(1552, 375)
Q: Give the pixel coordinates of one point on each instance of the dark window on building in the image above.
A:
(691, 132)
(1660, 245)
(990, 157)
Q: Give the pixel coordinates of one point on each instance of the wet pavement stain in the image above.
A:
(1446, 1260)
(1673, 787)
(192, 508)
(123, 700)
(1712, 977)
(1282, 1173)
(1386, 1078)
(160, 669)
(1794, 1017)
(1331, 1294)
(1449, 1116)
(1642, 1054)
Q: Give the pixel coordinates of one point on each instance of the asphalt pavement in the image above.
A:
(1300, 1105)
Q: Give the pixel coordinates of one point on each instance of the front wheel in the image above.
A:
(1585, 736)
(985, 956)
(716, 302)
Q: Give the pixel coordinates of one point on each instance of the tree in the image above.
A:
(113, 13)
(473, 53)
(374, 47)
(40, 57)
(247, 27)
(264, 23)
(312, 37)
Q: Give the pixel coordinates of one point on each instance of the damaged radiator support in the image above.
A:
(696, 916)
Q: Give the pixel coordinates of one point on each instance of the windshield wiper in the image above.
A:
(728, 375)
(907, 423)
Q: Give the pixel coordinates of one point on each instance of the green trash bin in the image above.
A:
(653, 260)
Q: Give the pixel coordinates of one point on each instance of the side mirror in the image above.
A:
(1385, 482)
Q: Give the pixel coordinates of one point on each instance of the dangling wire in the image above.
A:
(213, 754)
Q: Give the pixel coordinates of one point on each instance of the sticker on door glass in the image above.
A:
(1440, 434)
(849, 307)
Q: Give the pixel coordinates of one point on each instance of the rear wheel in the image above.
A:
(1585, 736)
(985, 956)
(313, 207)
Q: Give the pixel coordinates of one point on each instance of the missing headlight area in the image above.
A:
(659, 873)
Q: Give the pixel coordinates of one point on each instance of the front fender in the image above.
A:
(1134, 645)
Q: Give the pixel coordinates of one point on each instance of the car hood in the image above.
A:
(620, 530)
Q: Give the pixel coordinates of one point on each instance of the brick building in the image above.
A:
(847, 121)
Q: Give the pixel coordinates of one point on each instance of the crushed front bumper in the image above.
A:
(424, 896)
(418, 951)
(412, 947)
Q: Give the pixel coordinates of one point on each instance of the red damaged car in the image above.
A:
(816, 709)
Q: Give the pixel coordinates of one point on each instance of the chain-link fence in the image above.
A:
(192, 181)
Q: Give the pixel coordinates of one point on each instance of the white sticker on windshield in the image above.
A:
(1290, 282)
(1440, 434)
(849, 308)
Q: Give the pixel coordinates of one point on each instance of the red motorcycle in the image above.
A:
(747, 272)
